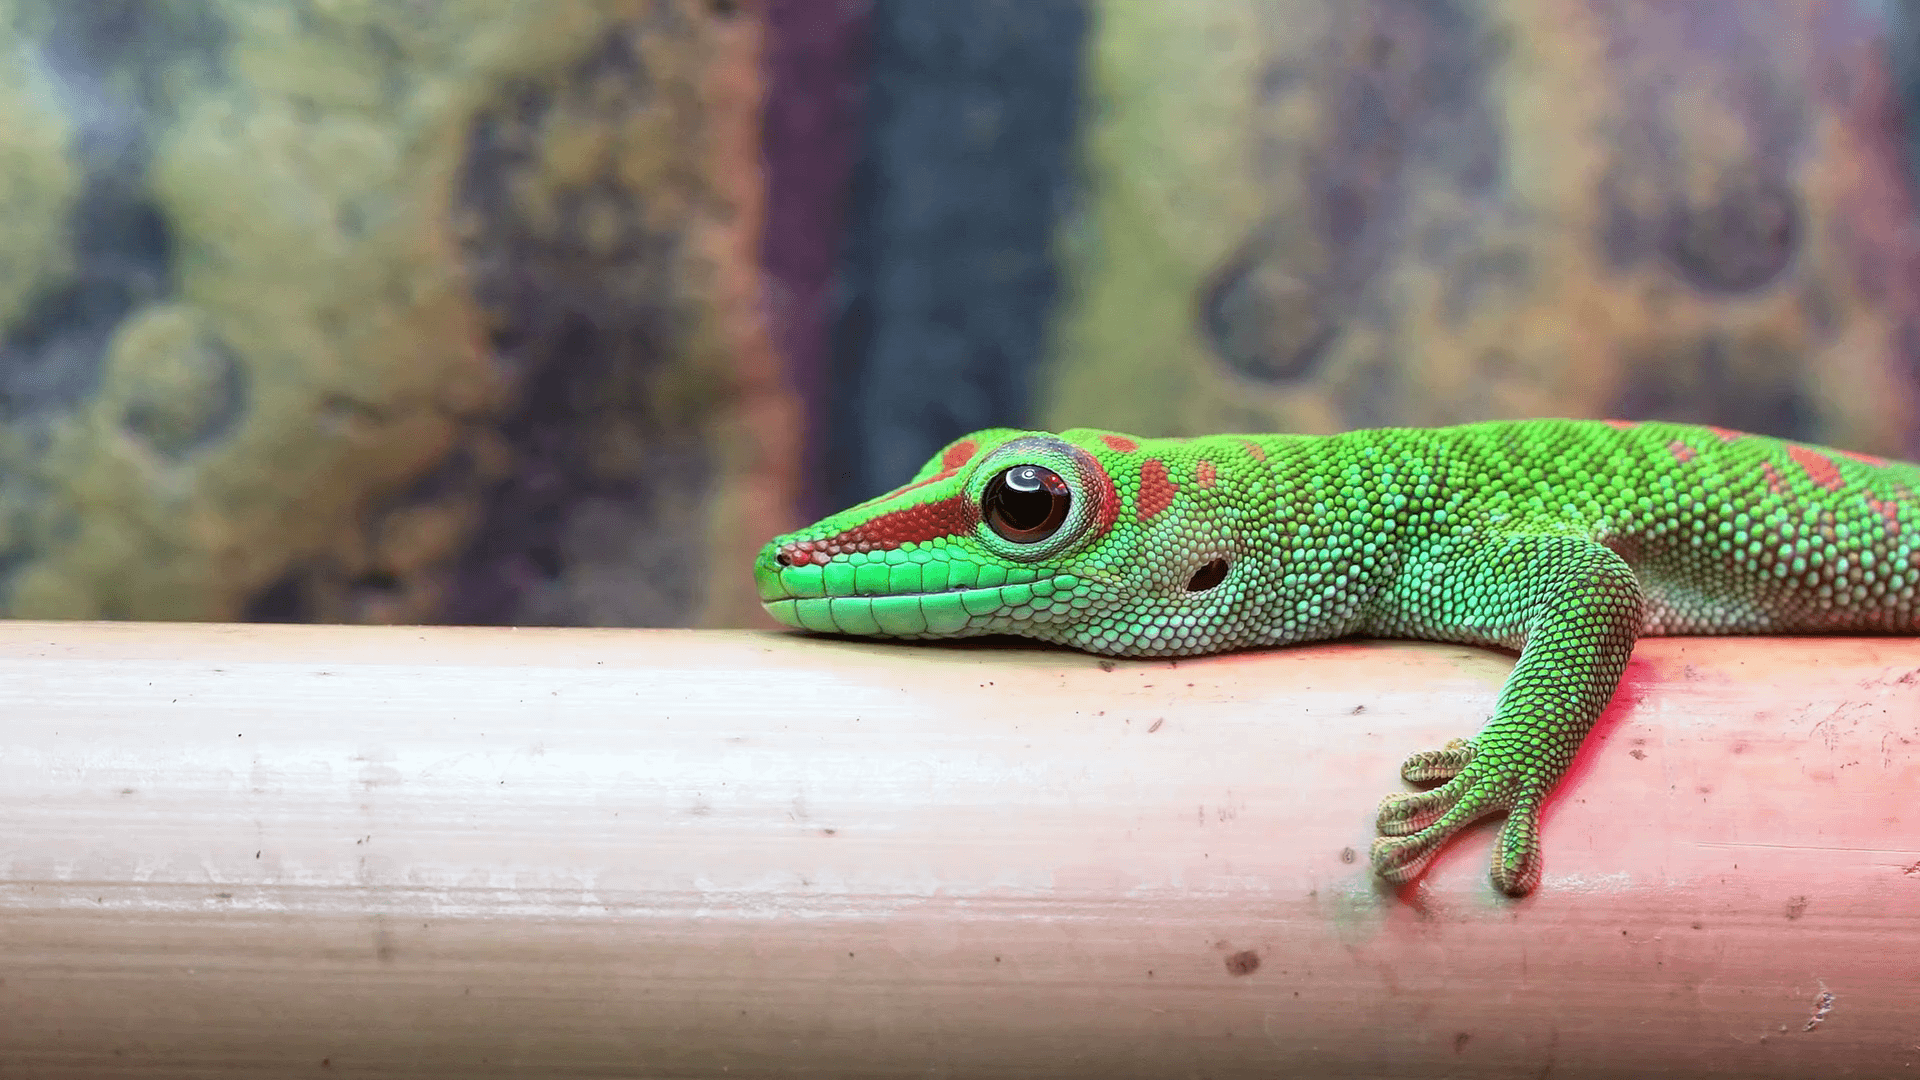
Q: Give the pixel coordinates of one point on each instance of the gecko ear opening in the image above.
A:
(1208, 576)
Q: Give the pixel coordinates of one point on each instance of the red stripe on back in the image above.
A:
(1120, 443)
(1864, 459)
(1254, 449)
(1681, 451)
(1621, 425)
(1776, 483)
(1889, 511)
(1818, 467)
(1203, 474)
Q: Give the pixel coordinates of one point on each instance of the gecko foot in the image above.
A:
(1414, 825)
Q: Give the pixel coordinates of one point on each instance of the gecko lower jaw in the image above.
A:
(807, 598)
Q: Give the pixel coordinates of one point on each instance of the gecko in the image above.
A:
(1563, 540)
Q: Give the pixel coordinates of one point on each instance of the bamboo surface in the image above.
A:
(400, 852)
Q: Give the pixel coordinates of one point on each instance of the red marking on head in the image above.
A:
(1254, 449)
(1120, 444)
(1098, 487)
(950, 516)
(1203, 474)
(1621, 425)
(904, 488)
(1864, 459)
(1818, 467)
(1156, 489)
(1775, 482)
(954, 515)
(1725, 435)
(951, 462)
(1889, 511)
(1681, 452)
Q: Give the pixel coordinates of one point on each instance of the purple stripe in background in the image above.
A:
(816, 69)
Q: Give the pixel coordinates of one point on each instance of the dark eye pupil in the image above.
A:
(1026, 504)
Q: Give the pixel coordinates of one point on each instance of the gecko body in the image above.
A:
(1563, 539)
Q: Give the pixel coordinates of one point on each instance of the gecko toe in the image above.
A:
(1399, 860)
(1516, 855)
(1407, 812)
(1442, 764)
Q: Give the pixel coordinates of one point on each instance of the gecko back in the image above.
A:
(1728, 532)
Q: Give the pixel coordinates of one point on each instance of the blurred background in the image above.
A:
(553, 311)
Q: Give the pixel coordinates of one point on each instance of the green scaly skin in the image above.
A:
(1564, 539)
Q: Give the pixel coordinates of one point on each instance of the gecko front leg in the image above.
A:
(1575, 607)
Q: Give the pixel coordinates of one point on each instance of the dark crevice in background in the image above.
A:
(583, 319)
(947, 274)
(815, 70)
(284, 601)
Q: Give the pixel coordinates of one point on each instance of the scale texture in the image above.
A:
(1563, 539)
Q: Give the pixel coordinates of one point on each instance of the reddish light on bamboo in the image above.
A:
(383, 852)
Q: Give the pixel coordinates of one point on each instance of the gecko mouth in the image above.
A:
(892, 594)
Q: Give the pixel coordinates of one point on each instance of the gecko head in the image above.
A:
(1008, 532)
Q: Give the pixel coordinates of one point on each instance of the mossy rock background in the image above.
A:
(1306, 215)
(381, 311)
(389, 310)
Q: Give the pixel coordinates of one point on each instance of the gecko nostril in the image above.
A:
(782, 560)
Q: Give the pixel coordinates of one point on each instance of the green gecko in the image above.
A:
(1563, 539)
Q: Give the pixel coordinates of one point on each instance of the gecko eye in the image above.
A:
(1026, 504)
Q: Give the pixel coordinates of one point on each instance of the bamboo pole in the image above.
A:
(291, 851)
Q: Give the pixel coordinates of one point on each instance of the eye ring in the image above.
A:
(1026, 504)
